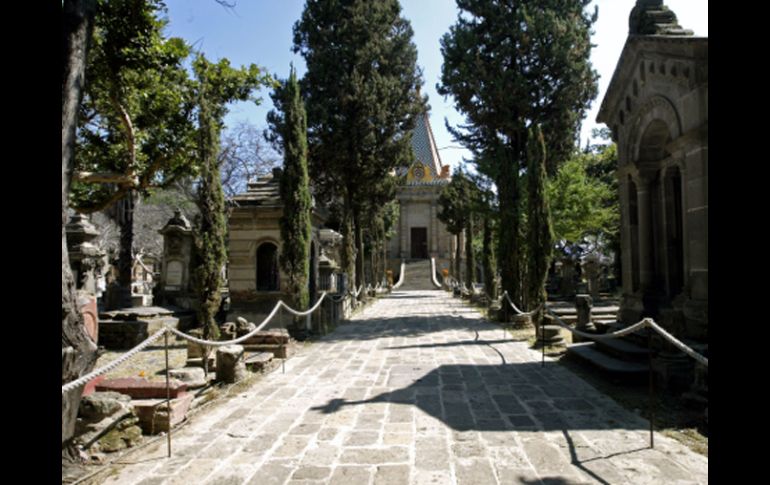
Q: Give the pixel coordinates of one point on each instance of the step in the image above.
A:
(588, 351)
(623, 349)
(639, 337)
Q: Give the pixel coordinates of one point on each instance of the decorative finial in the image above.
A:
(651, 17)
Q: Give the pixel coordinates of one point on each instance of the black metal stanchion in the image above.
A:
(542, 341)
(649, 372)
(168, 396)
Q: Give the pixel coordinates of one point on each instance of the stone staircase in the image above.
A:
(417, 276)
(625, 356)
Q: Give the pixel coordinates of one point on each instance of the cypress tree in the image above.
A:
(470, 263)
(217, 85)
(508, 65)
(362, 102)
(539, 231)
(289, 124)
(488, 257)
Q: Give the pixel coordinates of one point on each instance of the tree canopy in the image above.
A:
(288, 123)
(361, 97)
(509, 66)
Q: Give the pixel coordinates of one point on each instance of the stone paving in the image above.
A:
(417, 389)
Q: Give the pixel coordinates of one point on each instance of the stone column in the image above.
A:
(645, 233)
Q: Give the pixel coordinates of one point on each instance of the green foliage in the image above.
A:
(539, 232)
(361, 97)
(582, 205)
(217, 85)
(289, 124)
(136, 116)
(510, 65)
(457, 203)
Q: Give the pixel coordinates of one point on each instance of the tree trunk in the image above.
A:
(487, 259)
(125, 220)
(470, 264)
(458, 259)
(508, 246)
(359, 232)
(78, 350)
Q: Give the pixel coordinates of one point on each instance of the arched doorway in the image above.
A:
(267, 267)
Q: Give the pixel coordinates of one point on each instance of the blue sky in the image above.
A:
(260, 32)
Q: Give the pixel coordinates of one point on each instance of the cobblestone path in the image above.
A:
(417, 389)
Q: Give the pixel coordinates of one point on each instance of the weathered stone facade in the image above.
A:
(255, 242)
(657, 109)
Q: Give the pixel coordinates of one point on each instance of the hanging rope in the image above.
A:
(645, 322)
(167, 328)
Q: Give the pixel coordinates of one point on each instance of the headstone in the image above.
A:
(583, 304)
(176, 270)
(85, 258)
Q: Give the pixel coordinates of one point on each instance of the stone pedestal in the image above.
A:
(592, 269)
(583, 304)
(85, 257)
(230, 365)
(521, 321)
(549, 334)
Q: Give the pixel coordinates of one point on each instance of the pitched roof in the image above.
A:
(264, 191)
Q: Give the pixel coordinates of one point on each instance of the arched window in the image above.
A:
(267, 267)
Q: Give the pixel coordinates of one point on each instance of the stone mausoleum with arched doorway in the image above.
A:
(256, 280)
(657, 108)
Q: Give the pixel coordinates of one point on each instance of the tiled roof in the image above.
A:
(264, 191)
(424, 146)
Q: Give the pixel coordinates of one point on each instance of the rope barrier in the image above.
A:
(687, 350)
(516, 309)
(355, 294)
(125, 357)
(645, 322)
(306, 312)
(112, 365)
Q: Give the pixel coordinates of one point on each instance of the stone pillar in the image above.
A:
(645, 234)
(175, 276)
(583, 304)
(85, 257)
(593, 270)
(230, 365)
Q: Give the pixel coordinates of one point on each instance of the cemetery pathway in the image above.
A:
(417, 389)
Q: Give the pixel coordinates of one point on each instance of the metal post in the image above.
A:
(542, 341)
(168, 397)
(649, 372)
